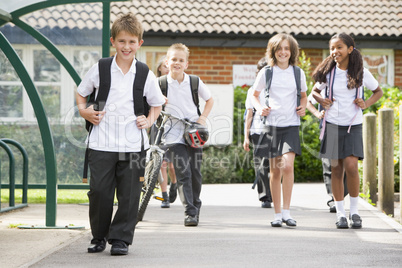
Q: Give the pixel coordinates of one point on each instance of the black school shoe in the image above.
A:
(290, 222)
(97, 245)
(173, 192)
(119, 248)
(342, 223)
(276, 223)
(355, 221)
(191, 220)
(266, 204)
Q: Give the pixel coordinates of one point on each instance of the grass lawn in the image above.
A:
(38, 196)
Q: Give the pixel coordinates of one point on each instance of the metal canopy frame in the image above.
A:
(11, 13)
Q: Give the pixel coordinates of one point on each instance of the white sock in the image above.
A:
(286, 214)
(340, 209)
(353, 206)
(278, 216)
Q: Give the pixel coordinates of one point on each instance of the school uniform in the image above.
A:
(261, 162)
(282, 124)
(186, 159)
(114, 153)
(343, 126)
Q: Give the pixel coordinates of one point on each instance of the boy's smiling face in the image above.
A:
(176, 62)
(126, 46)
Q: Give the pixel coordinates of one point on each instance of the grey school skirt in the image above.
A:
(278, 141)
(337, 143)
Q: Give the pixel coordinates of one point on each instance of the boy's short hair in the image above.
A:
(128, 23)
(273, 46)
(179, 47)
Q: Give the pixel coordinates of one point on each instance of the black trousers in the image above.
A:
(261, 168)
(114, 172)
(187, 165)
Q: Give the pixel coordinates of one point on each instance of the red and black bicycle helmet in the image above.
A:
(196, 135)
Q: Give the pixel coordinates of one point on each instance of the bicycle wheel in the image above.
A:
(152, 171)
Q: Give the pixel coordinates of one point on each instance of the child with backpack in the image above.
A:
(285, 102)
(343, 77)
(122, 88)
(252, 129)
(182, 102)
(167, 163)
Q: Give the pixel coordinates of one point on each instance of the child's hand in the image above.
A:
(361, 103)
(265, 111)
(202, 120)
(246, 145)
(301, 111)
(142, 122)
(95, 117)
(321, 114)
(327, 103)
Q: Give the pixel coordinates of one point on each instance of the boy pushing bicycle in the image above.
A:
(186, 157)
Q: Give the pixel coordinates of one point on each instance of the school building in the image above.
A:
(221, 35)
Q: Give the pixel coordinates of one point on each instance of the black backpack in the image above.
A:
(194, 83)
(141, 106)
(268, 75)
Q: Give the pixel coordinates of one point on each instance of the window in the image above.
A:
(380, 63)
(10, 89)
(151, 56)
(55, 86)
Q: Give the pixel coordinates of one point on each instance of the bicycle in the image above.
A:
(154, 159)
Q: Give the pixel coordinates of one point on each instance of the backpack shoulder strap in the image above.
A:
(162, 81)
(141, 75)
(103, 90)
(297, 72)
(268, 82)
(104, 82)
(194, 83)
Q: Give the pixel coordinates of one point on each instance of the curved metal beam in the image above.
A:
(45, 131)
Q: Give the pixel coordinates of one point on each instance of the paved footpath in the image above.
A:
(234, 231)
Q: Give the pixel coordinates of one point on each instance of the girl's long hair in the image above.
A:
(355, 66)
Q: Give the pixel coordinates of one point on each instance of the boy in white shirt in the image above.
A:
(116, 139)
(186, 159)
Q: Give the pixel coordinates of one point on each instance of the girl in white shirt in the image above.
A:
(342, 75)
(282, 120)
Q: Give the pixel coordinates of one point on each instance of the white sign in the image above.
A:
(220, 120)
(244, 75)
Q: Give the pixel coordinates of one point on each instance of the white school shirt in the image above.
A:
(181, 104)
(118, 132)
(282, 96)
(257, 125)
(343, 108)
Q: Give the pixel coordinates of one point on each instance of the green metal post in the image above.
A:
(10, 154)
(24, 168)
(106, 30)
(44, 127)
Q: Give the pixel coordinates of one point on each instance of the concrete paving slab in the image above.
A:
(234, 231)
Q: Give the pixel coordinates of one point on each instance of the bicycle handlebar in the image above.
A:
(185, 121)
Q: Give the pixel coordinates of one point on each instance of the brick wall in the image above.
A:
(214, 65)
(398, 68)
